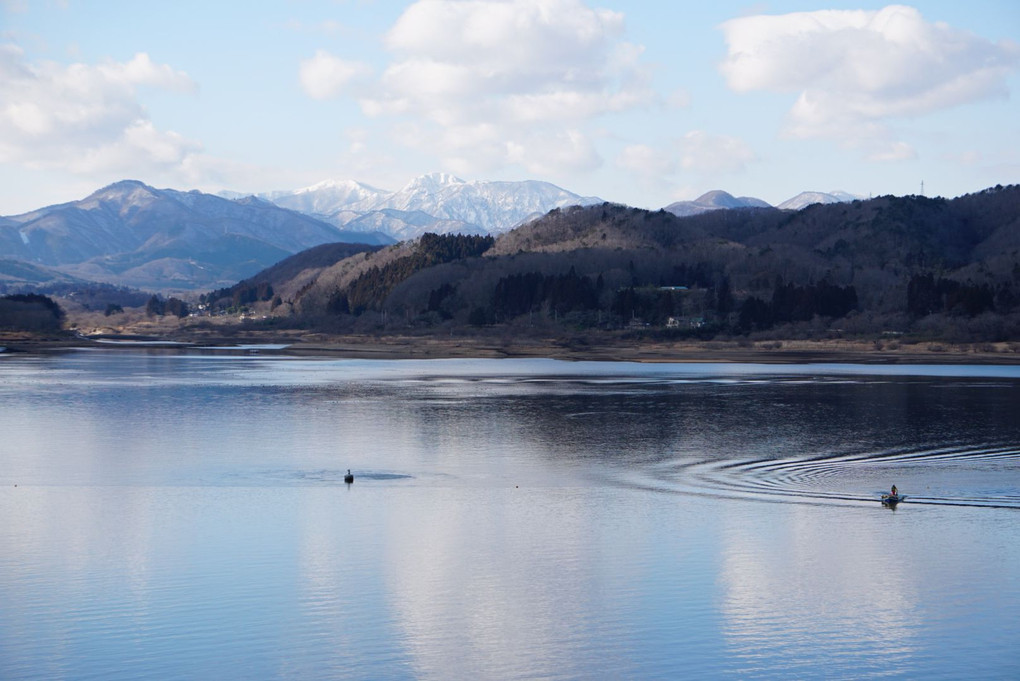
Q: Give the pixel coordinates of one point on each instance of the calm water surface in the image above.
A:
(183, 516)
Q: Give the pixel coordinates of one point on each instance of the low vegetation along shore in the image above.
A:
(627, 347)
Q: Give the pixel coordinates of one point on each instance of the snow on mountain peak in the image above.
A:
(326, 197)
(121, 189)
(126, 194)
(493, 206)
(480, 206)
(431, 183)
(340, 187)
(716, 199)
(437, 179)
(805, 199)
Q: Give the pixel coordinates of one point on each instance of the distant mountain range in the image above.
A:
(132, 234)
(135, 235)
(805, 199)
(942, 268)
(720, 200)
(437, 203)
(444, 204)
(714, 200)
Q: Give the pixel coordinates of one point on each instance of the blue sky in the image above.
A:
(642, 103)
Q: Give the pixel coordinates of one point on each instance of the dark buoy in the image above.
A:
(349, 478)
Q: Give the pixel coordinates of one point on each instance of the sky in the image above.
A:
(642, 103)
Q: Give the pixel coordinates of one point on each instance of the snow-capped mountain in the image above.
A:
(720, 200)
(496, 207)
(714, 200)
(131, 233)
(400, 224)
(805, 199)
(327, 197)
(479, 207)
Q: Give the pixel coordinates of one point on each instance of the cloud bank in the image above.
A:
(86, 118)
(855, 70)
(484, 84)
(325, 76)
(696, 154)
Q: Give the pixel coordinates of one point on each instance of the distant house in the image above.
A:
(685, 322)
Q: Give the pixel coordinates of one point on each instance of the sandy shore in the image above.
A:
(600, 349)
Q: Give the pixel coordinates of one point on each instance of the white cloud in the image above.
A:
(140, 147)
(485, 84)
(516, 61)
(649, 161)
(855, 69)
(325, 76)
(86, 118)
(714, 154)
(549, 154)
(545, 39)
(697, 151)
(697, 154)
(142, 71)
(475, 148)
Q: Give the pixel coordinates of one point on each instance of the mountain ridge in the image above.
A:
(129, 233)
(947, 268)
(489, 207)
(481, 206)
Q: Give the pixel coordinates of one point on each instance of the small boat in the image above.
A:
(890, 499)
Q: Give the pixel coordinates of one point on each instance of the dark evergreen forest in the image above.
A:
(936, 267)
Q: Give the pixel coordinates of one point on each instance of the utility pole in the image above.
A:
(922, 187)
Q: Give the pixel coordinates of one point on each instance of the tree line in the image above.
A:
(369, 290)
(32, 312)
(159, 306)
(792, 303)
(892, 263)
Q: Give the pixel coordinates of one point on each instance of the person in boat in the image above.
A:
(894, 493)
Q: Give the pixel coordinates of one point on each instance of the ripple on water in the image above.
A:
(961, 475)
(316, 477)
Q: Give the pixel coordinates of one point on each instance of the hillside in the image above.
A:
(131, 234)
(890, 264)
(287, 278)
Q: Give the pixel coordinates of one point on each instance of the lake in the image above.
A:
(183, 515)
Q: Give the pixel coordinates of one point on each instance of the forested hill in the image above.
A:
(298, 271)
(942, 267)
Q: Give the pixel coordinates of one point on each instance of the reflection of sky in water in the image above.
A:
(792, 592)
(183, 517)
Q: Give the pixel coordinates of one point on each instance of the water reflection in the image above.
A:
(182, 517)
(790, 587)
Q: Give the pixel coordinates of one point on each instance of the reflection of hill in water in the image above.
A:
(812, 439)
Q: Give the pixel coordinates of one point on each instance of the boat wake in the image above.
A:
(979, 476)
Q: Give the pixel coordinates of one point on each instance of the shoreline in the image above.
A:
(569, 349)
